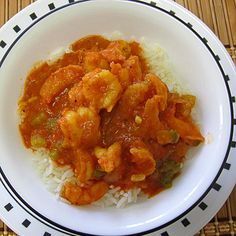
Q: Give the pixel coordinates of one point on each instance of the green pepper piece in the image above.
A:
(51, 124)
(39, 119)
(168, 169)
(53, 154)
(174, 136)
(37, 141)
(98, 174)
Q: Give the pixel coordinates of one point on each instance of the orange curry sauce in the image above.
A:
(100, 110)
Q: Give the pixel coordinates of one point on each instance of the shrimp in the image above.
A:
(93, 60)
(187, 130)
(101, 89)
(76, 96)
(143, 160)
(84, 165)
(122, 73)
(184, 104)
(134, 67)
(160, 88)
(151, 123)
(109, 158)
(167, 136)
(80, 127)
(59, 80)
(117, 51)
(133, 96)
(78, 195)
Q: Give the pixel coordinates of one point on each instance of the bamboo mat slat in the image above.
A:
(12, 8)
(2, 12)
(220, 16)
(181, 2)
(221, 22)
(193, 7)
(207, 15)
(231, 9)
(25, 3)
(233, 203)
(222, 213)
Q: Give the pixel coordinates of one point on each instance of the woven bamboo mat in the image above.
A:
(220, 16)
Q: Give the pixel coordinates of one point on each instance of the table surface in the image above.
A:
(220, 16)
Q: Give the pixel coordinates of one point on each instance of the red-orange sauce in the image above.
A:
(138, 138)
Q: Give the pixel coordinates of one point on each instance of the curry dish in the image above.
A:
(99, 110)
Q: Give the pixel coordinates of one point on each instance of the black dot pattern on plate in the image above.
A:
(71, 1)
(203, 206)
(217, 57)
(26, 223)
(46, 234)
(16, 28)
(204, 40)
(217, 187)
(2, 44)
(51, 6)
(233, 144)
(226, 77)
(172, 12)
(190, 25)
(33, 16)
(185, 222)
(164, 234)
(227, 166)
(234, 121)
(153, 3)
(233, 99)
(8, 207)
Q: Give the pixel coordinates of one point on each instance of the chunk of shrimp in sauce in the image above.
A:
(100, 110)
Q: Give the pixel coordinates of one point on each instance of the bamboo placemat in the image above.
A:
(220, 16)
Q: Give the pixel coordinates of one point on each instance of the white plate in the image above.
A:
(200, 61)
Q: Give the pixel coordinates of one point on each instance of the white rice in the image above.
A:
(118, 198)
(160, 65)
(54, 176)
(56, 54)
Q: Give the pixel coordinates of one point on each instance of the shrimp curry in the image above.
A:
(99, 110)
